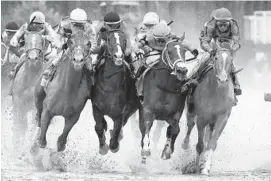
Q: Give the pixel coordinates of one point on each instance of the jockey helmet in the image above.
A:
(11, 27)
(213, 14)
(222, 14)
(112, 18)
(78, 16)
(151, 18)
(39, 17)
(161, 32)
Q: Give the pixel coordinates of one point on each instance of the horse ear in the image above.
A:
(183, 37)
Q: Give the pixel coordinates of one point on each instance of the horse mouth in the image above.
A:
(33, 56)
(118, 61)
(78, 65)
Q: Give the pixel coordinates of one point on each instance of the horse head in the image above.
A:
(223, 60)
(172, 56)
(34, 46)
(115, 47)
(78, 49)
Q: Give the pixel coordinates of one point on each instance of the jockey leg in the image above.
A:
(13, 72)
(49, 72)
(237, 89)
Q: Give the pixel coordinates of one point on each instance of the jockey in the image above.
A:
(157, 40)
(222, 25)
(112, 22)
(37, 23)
(76, 21)
(12, 54)
(149, 21)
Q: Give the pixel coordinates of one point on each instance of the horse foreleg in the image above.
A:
(218, 128)
(190, 117)
(115, 135)
(39, 97)
(157, 132)
(200, 144)
(145, 142)
(45, 121)
(172, 133)
(69, 123)
(100, 128)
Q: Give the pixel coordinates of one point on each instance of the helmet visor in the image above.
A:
(223, 24)
(160, 41)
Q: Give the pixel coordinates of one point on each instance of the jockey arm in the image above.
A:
(235, 36)
(18, 35)
(206, 37)
(92, 36)
(15, 51)
(52, 35)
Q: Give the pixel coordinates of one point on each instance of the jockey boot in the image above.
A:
(140, 71)
(236, 84)
(15, 69)
(47, 75)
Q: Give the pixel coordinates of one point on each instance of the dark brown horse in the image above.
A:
(161, 100)
(24, 82)
(67, 93)
(114, 93)
(211, 105)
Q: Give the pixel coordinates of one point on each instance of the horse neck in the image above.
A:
(214, 90)
(32, 71)
(112, 74)
(163, 78)
(72, 77)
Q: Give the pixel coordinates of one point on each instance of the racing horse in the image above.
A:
(162, 101)
(67, 93)
(114, 93)
(210, 105)
(24, 82)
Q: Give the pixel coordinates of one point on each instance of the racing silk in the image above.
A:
(51, 34)
(211, 31)
(87, 27)
(12, 54)
(104, 30)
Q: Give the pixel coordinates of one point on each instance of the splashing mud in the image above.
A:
(243, 151)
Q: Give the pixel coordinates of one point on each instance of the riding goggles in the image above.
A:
(160, 40)
(223, 24)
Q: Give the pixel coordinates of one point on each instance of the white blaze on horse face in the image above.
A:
(224, 56)
(119, 53)
(178, 47)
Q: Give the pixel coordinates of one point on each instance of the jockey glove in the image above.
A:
(212, 53)
(195, 52)
(65, 46)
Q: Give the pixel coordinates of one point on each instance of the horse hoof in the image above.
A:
(42, 144)
(104, 149)
(165, 156)
(190, 168)
(166, 153)
(205, 171)
(61, 147)
(114, 150)
(146, 153)
(34, 149)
